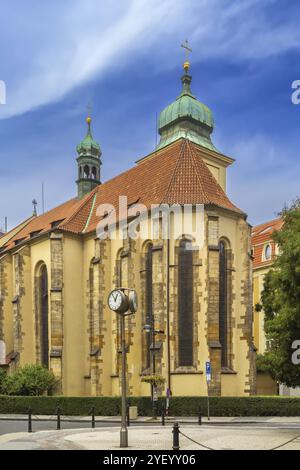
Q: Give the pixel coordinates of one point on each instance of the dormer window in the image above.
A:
(17, 242)
(56, 223)
(35, 233)
(267, 252)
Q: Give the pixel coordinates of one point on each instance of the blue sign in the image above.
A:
(208, 371)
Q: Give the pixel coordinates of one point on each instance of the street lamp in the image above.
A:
(150, 328)
(123, 305)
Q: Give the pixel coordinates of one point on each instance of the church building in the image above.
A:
(56, 273)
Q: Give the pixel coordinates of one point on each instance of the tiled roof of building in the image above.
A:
(260, 238)
(174, 174)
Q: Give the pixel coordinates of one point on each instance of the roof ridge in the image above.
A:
(174, 172)
(197, 172)
(84, 201)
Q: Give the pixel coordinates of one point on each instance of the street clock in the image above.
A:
(133, 301)
(118, 301)
(121, 303)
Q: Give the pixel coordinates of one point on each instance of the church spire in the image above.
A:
(89, 162)
(186, 117)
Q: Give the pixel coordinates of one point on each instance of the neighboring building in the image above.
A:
(263, 251)
(56, 274)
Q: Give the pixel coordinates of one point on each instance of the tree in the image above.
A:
(281, 300)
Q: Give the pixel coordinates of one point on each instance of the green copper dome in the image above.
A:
(186, 117)
(186, 105)
(88, 143)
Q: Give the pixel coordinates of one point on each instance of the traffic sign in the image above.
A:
(208, 371)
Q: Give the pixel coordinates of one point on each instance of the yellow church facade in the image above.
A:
(56, 273)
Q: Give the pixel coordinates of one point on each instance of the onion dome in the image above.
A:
(186, 117)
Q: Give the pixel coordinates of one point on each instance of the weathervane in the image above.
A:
(188, 49)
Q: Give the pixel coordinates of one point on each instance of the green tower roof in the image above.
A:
(186, 117)
(88, 143)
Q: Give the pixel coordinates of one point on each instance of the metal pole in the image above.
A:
(58, 418)
(123, 432)
(128, 416)
(208, 416)
(200, 417)
(176, 436)
(153, 367)
(163, 416)
(93, 417)
(29, 420)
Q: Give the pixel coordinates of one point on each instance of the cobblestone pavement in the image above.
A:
(154, 437)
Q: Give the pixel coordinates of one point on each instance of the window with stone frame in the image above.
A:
(224, 301)
(148, 310)
(44, 316)
(185, 304)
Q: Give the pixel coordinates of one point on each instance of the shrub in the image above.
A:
(2, 378)
(179, 406)
(32, 379)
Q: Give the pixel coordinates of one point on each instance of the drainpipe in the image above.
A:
(168, 312)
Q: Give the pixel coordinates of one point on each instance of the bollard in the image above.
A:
(93, 417)
(200, 418)
(163, 416)
(128, 416)
(58, 411)
(176, 436)
(29, 420)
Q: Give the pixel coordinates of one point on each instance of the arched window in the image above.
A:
(94, 172)
(44, 328)
(185, 304)
(267, 253)
(86, 171)
(148, 305)
(223, 303)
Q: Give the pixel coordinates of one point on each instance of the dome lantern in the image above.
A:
(186, 117)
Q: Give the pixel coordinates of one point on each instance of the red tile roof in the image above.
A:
(262, 236)
(174, 174)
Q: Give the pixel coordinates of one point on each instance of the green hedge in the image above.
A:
(179, 406)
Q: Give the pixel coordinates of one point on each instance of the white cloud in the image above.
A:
(54, 47)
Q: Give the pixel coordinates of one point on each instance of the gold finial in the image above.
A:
(188, 49)
(89, 109)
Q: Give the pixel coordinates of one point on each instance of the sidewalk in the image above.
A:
(156, 438)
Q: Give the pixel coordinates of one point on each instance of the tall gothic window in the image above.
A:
(44, 317)
(223, 303)
(185, 304)
(148, 303)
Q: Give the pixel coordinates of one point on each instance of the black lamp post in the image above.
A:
(150, 328)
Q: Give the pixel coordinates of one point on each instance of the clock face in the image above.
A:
(115, 300)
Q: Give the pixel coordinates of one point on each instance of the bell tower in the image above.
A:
(89, 162)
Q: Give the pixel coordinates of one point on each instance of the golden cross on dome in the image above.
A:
(188, 49)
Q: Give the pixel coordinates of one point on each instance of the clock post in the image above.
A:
(123, 305)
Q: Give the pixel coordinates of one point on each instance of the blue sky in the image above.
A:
(125, 58)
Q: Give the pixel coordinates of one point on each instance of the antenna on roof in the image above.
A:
(5, 224)
(34, 203)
